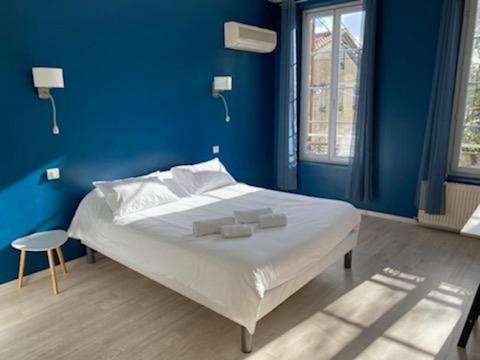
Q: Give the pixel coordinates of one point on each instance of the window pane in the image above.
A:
(344, 139)
(331, 60)
(319, 85)
(350, 51)
(470, 146)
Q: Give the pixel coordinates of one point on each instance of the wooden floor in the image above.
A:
(405, 298)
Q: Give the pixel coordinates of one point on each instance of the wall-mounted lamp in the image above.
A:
(45, 79)
(222, 83)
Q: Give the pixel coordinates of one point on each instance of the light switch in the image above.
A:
(216, 149)
(53, 174)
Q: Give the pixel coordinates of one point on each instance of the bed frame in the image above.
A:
(246, 337)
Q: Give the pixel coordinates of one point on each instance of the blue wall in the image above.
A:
(406, 47)
(137, 99)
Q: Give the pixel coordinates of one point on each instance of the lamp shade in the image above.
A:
(47, 77)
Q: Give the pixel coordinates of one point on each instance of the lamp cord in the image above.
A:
(55, 129)
(227, 113)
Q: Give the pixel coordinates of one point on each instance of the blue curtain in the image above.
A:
(434, 166)
(361, 176)
(286, 127)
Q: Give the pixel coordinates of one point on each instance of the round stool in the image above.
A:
(42, 241)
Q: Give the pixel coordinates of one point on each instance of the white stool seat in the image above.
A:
(41, 241)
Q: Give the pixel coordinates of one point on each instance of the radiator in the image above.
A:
(461, 202)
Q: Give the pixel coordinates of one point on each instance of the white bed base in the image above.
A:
(272, 298)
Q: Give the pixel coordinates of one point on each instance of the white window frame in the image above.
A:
(464, 59)
(335, 11)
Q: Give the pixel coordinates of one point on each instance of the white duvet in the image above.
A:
(233, 273)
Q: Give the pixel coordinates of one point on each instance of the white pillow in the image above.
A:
(166, 177)
(132, 195)
(202, 177)
(106, 188)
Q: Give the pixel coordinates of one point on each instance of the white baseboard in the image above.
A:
(389, 216)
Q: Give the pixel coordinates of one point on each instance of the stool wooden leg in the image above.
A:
(51, 262)
(62, 260)
(21, 268)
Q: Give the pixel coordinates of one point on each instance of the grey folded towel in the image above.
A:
(212, 226)
(251, 216)
(236, 231)
(272, 220)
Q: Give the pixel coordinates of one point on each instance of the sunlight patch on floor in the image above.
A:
(426, 326)
(403, 275)
(361, 305)
(419, 334)
(453, 300)
(403, 285)
(383, 348)
(454, 289)
(327, 333)
(319, 337)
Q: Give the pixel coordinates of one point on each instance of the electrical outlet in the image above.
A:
(53, 174)
(216, 149)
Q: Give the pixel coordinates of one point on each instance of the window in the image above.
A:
(465, 158)
(332, 48)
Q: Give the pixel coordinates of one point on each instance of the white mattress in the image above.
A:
(231, 276)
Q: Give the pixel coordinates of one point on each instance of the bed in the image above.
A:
(241, 279)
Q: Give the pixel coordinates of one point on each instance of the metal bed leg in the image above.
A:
(90, 256)
(247, 341)
(348, 260)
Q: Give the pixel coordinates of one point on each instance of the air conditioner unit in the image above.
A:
(249, 38)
